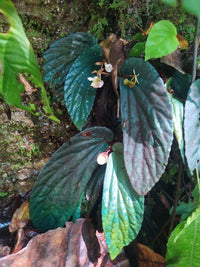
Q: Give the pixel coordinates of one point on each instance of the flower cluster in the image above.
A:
(97, 82)
(131, 83)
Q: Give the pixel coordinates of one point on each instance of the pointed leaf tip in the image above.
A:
(146, 113)
(122, 207)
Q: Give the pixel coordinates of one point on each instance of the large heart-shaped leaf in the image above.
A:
(64, 179)
(184, 243)
(78, 94)
(122, 207)
(192, 126)
(17, 57)
(60, 56)
(161, 40)
(146, 113)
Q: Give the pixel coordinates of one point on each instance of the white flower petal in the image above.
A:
(91, 79)
(108, 67)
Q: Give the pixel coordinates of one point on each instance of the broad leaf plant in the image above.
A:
(127, 117)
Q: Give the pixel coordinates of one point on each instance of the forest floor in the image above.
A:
(26, 144)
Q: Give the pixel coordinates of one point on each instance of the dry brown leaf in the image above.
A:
(148, 30)
(28, 88)
(183, 43)
(173, 60)
(115, 55)
(76, 245)
(148, 258)
(20, 217)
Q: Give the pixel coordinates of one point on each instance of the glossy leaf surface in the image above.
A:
(146, 113)
(122, 207)
(17, 57)
(161, 40)
(60, 56)
(178, 124)
(180, 83)
(78, 94)
(192, 126)
(184, 243)
(63, 180)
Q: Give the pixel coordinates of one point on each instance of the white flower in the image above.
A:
(96, 81)
(102, 158)
(108, 67)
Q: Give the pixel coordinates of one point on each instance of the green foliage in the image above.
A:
(71, 182)
(183, 244)
(192, 6)
(137, 50)
(170, 2)
(162, 40)
(78, 95)
(136, 151)
(186, 209)
(139, 132)
(64, 179)
(180, 84)
(62, 53)
(122, 207)
(17, 57)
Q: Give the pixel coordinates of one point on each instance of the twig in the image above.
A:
(180, 172)
(196, 39)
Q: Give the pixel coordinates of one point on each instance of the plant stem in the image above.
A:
(196, 38)
(180, 172)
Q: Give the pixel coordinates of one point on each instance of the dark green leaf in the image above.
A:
(138, 37)
(184, 243)
(122, 207)
(180, 83)
(62, 53)
(192, 126)
(137, 50)
(146, 113)
(94, 187)
(78, 94)
(186, 209)
(161, 40)
(60, 56)
(63, 180)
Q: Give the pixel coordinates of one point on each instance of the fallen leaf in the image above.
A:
(28, 88)
(173, 60)
(23, 237)
(76, 245)
(148, 258)
(4, 251)
(183, 43)
(148, 30)
(20, 217)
